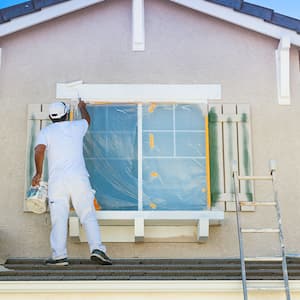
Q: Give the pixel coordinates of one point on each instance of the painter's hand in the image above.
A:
(81, 104)
(36, 180)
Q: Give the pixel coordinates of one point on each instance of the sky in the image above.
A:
(286, 7)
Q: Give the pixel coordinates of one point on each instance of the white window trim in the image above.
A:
(140, 156)
(138, 220)
(139, 93)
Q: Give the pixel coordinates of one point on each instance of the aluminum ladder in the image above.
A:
(275, 202)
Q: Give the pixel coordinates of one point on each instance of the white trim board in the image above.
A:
(46, 14)
(162, 217)
(138, 25)
(282, 55)
(128, 93)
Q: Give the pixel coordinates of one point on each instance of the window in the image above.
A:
(147, 157)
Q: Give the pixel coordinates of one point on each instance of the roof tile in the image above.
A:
(148, 269)
(17, 10)
(38, 4)
(257, 11)
(236, 4)
(25, 8)
(287, 22)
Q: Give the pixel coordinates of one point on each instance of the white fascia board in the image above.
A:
(46, 14)
(240, 19)
(140, 93)
(138, 25)
(138, 286)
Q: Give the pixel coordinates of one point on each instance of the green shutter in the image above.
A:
(37, 118)
(230, 139)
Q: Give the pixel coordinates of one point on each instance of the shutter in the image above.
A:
(37, 118)
(230, 139)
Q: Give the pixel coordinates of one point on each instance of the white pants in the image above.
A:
(60, 191)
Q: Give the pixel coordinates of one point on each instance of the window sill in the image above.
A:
(151, 226)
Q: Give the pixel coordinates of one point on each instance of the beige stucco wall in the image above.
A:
(182, 46)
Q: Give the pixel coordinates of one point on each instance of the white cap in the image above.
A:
(58, 110)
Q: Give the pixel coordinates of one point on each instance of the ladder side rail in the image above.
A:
(281, 238)
(241, 244)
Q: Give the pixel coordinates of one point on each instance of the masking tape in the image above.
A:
(154, 174)
(152, 205)
(151, 107)
(97, 205)
(151, 140)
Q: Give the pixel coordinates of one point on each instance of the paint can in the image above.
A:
(36, 201)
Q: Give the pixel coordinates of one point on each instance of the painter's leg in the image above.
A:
(59, 211)
(83, 201)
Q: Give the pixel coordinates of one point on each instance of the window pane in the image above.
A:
(174, 184)
(158, 117)
(190, 144)
(158, 143)
(174, 158)
(189, 117)
(110, 150)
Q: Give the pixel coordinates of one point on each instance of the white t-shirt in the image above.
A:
(64, 142)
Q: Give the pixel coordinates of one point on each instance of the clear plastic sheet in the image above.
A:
(172, 153)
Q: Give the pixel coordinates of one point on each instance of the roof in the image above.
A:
(264, 13)
(147, 269)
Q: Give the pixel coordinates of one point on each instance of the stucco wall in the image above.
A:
(182, 46)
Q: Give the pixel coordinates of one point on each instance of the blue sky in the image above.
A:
(286, 7)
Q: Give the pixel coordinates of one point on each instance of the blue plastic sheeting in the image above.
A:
(173, 157)
(111, 155)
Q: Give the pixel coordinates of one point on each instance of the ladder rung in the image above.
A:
(264, 230)
(255, 177)
(250, 203)
(270, 258)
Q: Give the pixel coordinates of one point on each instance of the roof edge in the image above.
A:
(248, 21)
(48, 13)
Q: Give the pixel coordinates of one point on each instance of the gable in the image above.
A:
(251, 17)
(43, 10)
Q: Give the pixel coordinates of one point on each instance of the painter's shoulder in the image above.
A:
(80, 123)
(48, 127)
